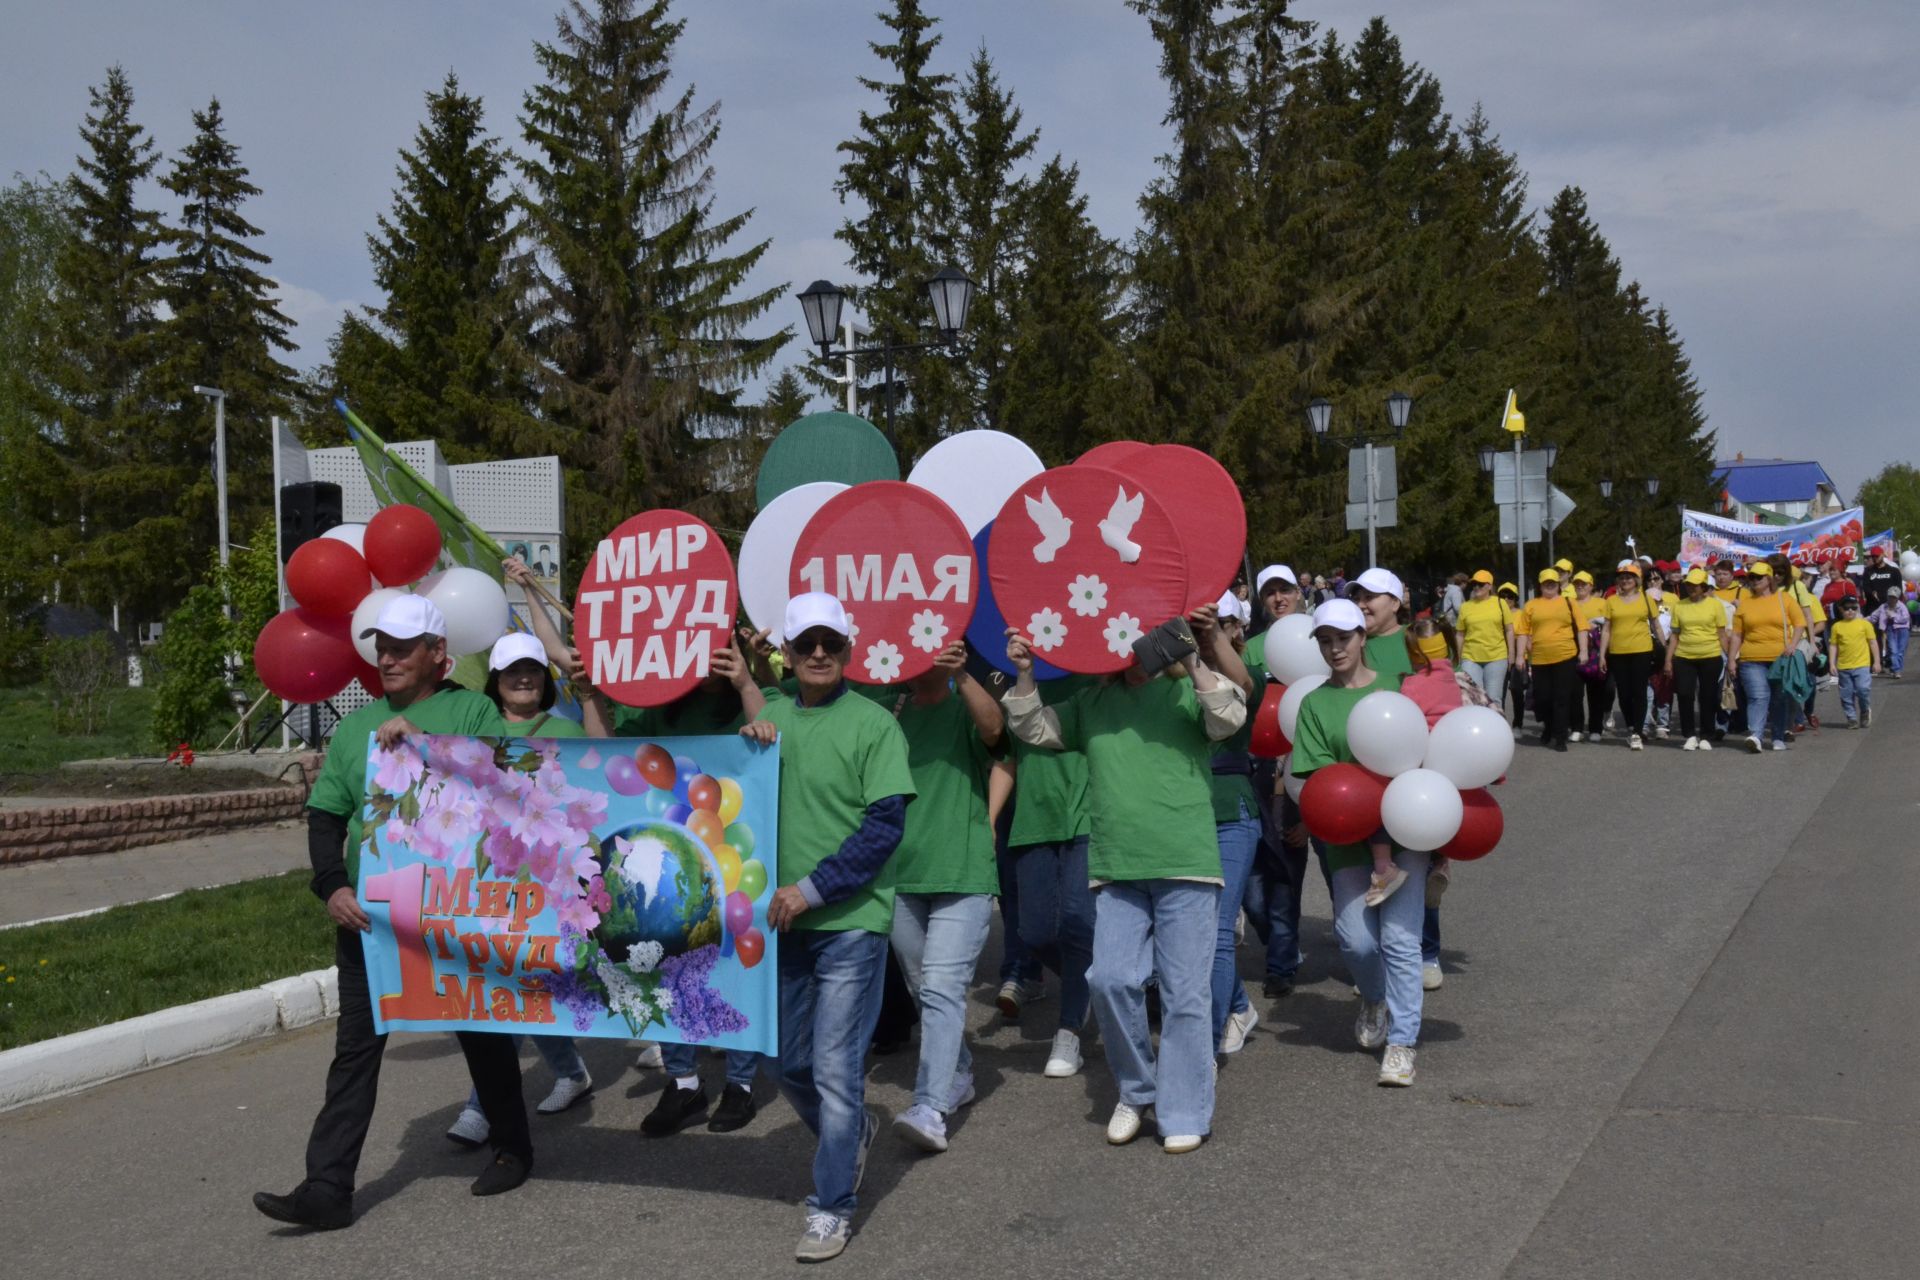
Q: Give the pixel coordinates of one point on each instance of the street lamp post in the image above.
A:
(219, 399)
(950, 293)
(1630, 496)
(1399, 410)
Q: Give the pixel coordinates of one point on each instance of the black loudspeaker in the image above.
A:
(307, 510)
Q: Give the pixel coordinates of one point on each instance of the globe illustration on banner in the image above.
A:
(666, 889)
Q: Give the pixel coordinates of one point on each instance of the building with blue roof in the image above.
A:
(1776, 490)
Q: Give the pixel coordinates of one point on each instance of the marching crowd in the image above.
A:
(1121, 822)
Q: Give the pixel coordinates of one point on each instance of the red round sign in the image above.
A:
(656, 601)
(901, 562)
(1110, 453)
(1213, 518)
(1084, 561)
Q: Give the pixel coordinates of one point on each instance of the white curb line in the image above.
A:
(68, 1064)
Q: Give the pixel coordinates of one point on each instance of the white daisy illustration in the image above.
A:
(929, 631)
(1047, 629)
(853, 631)
(1122, 630)
(1087, 596)
(883, 662)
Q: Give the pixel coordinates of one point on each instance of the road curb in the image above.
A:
(68, 1064)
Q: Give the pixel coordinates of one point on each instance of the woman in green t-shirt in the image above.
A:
(1383, 602)
(1380, 943)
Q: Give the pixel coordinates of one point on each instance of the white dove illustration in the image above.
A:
(1119, 523)
(1054, 527)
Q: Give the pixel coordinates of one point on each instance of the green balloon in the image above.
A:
(825, 446)
(753, 878)
(740, 836)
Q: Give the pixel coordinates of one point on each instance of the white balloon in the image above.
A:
(1293, 784)
(1290, 651)
(1387, 733)
(1290, 702)
(366, 613)
(975, 472)
(766, 552)
(1910, 556)
(474, 605)
(1421, 810)
(1911, 571)
(354, 535)
(1471, 747)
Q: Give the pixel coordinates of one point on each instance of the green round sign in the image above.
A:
(825, 446)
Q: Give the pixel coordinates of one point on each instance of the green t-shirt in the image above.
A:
(702, 712)
(835, 760)
(1234, 787)
(1255, 654)
(1147, 780)
(1050, 787)
(1320, 739)
(1388, 655)
(551, 727)
(341, 787)
(948, 844)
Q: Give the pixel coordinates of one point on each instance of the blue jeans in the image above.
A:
(1382, 944)
(1856, 690)
(1490, 676)
(1757, 695)
(830, 982)
(559, 1054)
(680, 1061)
(1238, 840)
(1164, 927)
(1018, 963)
(938, 937)
(1274, 889)
(1056, 919)
(1896, 647)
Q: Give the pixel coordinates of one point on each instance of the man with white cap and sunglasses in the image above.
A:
(1280, 865)
(410, 638)
(844, 787)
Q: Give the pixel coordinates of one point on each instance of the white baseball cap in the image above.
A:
(1341, 615)
(514, 647)
(408, 617)
(814, 609)
(1271, 572)
(1381, 582)
(1232, 606)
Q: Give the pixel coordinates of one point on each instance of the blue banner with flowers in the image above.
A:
(573, 886)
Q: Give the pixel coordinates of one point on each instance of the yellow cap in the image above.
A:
(1583, 576)
(1482, 575)
(1548, 575)
(1760, 568)
(1564, 566)
(1508, 586)
(1696, 577)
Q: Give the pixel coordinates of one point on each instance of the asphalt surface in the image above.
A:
(61, 886)
(1677, 1038)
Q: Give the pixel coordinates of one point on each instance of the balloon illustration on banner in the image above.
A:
(1213, 518)
(1085, 561)
(1291, 653)
(766, 552)
(902, 563)
(975, 472)
(987, 632)
(656, 601)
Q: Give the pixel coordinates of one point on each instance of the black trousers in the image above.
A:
(340, 1130)
(1599, 696)
(1628, 673)
(1696, 687)
(1553, 688)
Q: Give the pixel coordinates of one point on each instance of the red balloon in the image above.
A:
(402, 544)
(750, 946)
(1481, 826)
(1270, 742)
(328, 576)
(305, 657)
(656, 766)
(704, 793)
(1341, 803)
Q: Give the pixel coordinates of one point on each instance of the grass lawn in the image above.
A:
(30, 742)
(74, 974)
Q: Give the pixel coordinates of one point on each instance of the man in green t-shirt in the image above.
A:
(844, 787)
(410, 638)
(1237, 812)
(1153, 857)
(1280, 863)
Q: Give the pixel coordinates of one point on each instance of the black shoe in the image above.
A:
(1559, 744)
(676, 1109)
(736, 1110)
(1276, 987)
(304, 1208)
(505, 1173)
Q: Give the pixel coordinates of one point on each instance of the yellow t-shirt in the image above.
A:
(1853, 644)
(1551, 626)
(1732, 595)
(1698, 623)
(1809, 604)
(1757, 621)
(1483, 630)
(1632, 619)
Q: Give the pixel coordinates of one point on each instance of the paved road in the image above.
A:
(61, 886)
(1678, 1040)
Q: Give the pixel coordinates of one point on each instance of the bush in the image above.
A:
(80, 672)
(191, 697)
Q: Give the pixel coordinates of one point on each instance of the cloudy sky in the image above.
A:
(1752, 163)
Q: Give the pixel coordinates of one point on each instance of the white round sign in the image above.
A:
(975, 472)
(766, 552)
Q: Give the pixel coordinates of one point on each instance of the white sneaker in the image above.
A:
(1634, 743)
(923, 1127)
(1662, 733)
(566, 1092)
(470, 1128)
(1065, 1059)
(1396, 1068)
(1691, 744)
(1706, 744)
(826, 1237)
(1430, 976)
(1239, 1026)
(1370, 1028)
(1573, 737)
(1124, 1127)
(1753, 745)
(962, 1094)
(650, 1058)
(1181, 1143)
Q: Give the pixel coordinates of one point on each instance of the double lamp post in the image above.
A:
(1399, 410)
(951, 294)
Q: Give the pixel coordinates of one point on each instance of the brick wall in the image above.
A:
(27, 835)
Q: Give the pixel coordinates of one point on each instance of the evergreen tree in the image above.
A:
(443, 357)
(636, 323)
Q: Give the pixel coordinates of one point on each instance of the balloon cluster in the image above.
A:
(1910, 567)
(341, 580)
(677, 791)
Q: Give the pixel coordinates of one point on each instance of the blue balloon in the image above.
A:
(684, 771)
(987, 633)
(678, 813)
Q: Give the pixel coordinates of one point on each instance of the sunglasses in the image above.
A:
(831, 643)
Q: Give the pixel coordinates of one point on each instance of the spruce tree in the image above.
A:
(637, 322)
(443, 357)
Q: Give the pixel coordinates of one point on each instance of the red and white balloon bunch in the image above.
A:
(342, 579)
